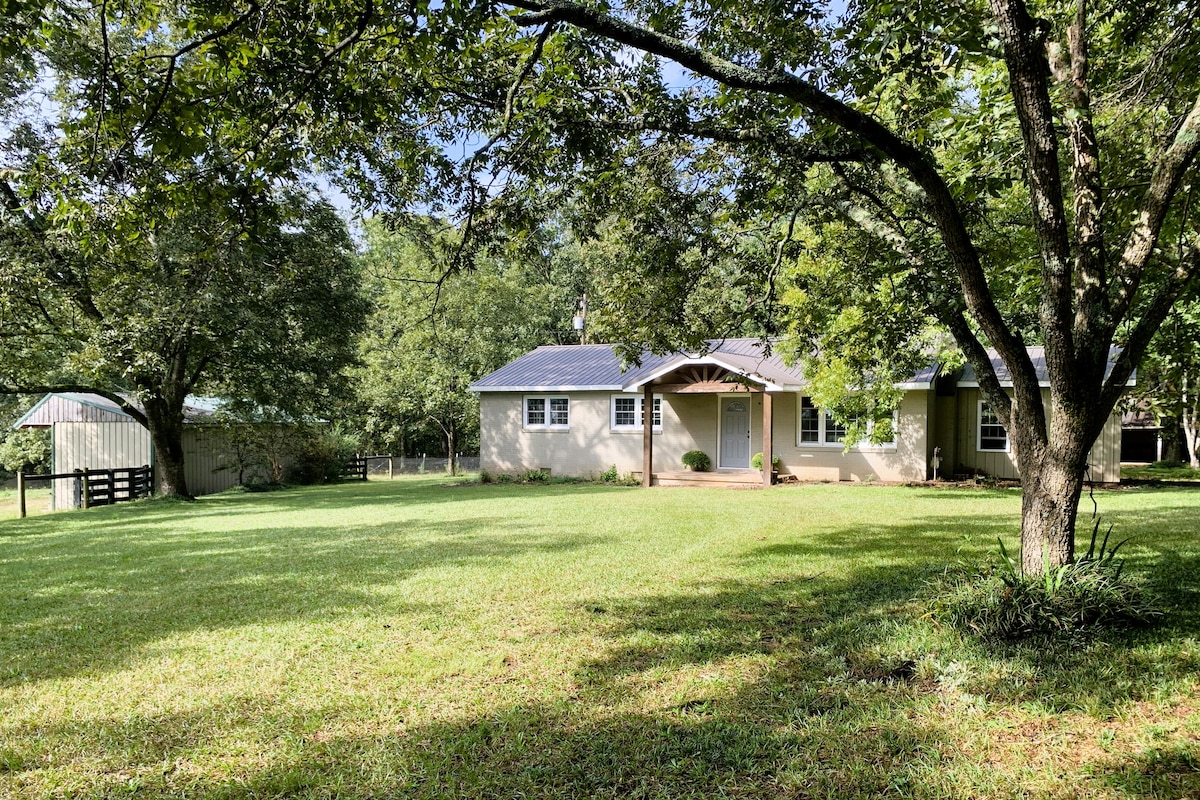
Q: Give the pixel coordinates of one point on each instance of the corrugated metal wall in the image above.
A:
(209, 463)
(95, 445)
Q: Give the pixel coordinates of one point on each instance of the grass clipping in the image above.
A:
(1093, 593)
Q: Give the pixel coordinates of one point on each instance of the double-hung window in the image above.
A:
(817, 427)
(992, 436)
(547, 413)
(627, 412)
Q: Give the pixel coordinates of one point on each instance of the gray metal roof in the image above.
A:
(87, 407)
(596, 367)
(560, 368)
(1038, 356)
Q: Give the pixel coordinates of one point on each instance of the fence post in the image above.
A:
(21, 492)
(86, 495)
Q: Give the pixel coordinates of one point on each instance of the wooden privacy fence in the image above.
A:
(97, 487)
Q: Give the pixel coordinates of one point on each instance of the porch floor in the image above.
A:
(731, 479)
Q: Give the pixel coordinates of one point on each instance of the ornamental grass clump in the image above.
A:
(999, 603)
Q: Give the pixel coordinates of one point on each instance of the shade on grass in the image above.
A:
(417, 639)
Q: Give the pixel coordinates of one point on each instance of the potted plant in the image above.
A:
(696, 460)
(757, 462)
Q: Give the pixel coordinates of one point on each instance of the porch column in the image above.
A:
(647, 433)
(767, 424)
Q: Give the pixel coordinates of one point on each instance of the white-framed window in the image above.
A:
(817, 428)
(992, 436)
(546, 412)
(627, 412)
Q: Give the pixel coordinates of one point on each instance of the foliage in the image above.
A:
(434, 330)
(696, 460)
(756, 461)
(610, 475)
(27, 450)
(535, 476)
(1160, 471)
(1169, 378)
(322, 454)
(154, 236)
(1007, 173)
(1091, 593)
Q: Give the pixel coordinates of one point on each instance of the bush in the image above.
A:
(485, 476)
(610, 475)
(999, 604)
(696, 460)
(504, 477)
(27, 450)
(536, 476)
(322, 455)
(757, 459)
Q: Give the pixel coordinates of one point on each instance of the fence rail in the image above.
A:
(96, 487)
(390, 466)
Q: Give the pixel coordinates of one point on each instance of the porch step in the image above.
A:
(739, 479)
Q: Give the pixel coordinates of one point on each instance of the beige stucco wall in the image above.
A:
(1105, 456)
(904, 462)
(588, 447)
(689, 422)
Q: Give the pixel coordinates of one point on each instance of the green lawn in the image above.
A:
(413, 639)
(1160, 471)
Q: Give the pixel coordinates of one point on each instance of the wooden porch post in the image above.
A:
(767, 424)
(647, 433)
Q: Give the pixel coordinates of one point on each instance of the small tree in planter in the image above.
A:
(696, 460)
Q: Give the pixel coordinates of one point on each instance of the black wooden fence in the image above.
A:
(356, 468)
(97, 487)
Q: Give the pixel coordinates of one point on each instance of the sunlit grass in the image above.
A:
(37, 501)
(1160, 471)
(419, 639)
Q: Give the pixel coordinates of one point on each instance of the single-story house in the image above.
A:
(88, 431)
(575, 410)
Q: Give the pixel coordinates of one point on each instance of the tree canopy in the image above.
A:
(1017, 174)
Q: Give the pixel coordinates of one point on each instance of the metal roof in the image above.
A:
(596, 367)
(1038, 356)
(87, 407)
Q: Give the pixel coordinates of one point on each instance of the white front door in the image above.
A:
(735, 433)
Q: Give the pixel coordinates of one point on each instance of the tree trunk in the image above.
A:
(451, 445)
(1052, 477)
(1173, 446)
(166, 434)
(1190, 418)
(1049, 505)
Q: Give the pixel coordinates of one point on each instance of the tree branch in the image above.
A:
(1023, 38)
(942, 205)
(1164, 183)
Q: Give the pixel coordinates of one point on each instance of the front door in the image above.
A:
(735, 433)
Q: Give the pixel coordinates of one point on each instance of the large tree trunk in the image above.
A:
(166, 434)
(1050, 494)
(1052, 478)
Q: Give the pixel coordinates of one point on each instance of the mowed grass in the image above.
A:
(416, 639)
